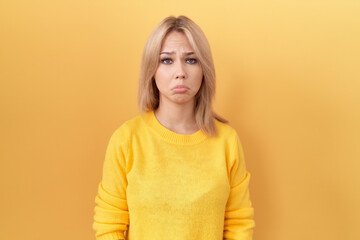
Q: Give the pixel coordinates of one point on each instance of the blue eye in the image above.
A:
(166, 60)
(191, 60)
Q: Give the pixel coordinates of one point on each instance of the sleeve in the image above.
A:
(111, 216)
(238, 222)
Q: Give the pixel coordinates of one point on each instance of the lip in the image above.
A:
(180, 88)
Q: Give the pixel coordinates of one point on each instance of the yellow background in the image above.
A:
(287, 79)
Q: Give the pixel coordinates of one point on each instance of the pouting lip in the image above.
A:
(180, 86)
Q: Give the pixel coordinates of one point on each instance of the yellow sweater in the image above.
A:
(158, 184)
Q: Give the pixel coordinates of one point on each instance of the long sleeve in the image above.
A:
(111, 217)
(239, 223)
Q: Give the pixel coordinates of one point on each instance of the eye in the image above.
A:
(191, 60)
(166, 60)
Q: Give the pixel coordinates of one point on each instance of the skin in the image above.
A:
(178, 66)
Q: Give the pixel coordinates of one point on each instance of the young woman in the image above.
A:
(176, 171)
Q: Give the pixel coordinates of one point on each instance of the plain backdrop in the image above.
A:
(287, 80)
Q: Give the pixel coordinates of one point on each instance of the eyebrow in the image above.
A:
(170, 53)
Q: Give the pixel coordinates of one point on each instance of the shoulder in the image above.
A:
(229, 137)
(232, 140)
(226, 131)
(127, 129)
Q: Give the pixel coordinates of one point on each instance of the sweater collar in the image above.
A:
(170, 136)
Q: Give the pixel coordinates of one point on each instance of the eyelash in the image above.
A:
(193, 60)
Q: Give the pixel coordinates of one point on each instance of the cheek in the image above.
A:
(161, 74)
(160, 79)
(199, 76)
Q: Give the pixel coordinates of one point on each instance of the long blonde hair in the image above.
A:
(148, 98)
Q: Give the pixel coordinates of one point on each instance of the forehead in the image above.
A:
(176, 41)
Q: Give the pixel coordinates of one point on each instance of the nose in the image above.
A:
(180, 71)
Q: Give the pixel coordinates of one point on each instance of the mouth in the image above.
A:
(180, 89)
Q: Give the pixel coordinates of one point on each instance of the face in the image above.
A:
(179, 73)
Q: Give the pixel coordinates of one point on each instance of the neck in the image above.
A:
(179, 118)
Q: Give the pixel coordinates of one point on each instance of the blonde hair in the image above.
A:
(148, 98)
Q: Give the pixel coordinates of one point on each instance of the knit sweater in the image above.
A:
(158, 184)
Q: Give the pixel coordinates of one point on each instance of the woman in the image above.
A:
(177, 170)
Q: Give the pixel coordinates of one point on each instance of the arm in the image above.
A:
(239, 223)
(111, 217)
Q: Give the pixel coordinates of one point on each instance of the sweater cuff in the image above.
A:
(112, 236)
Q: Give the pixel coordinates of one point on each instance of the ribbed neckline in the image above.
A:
(170, 136)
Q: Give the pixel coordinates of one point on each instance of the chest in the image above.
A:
(177, 178)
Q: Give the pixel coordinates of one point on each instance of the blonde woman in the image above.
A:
(177, 170)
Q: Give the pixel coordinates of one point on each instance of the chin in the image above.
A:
(181, 99)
